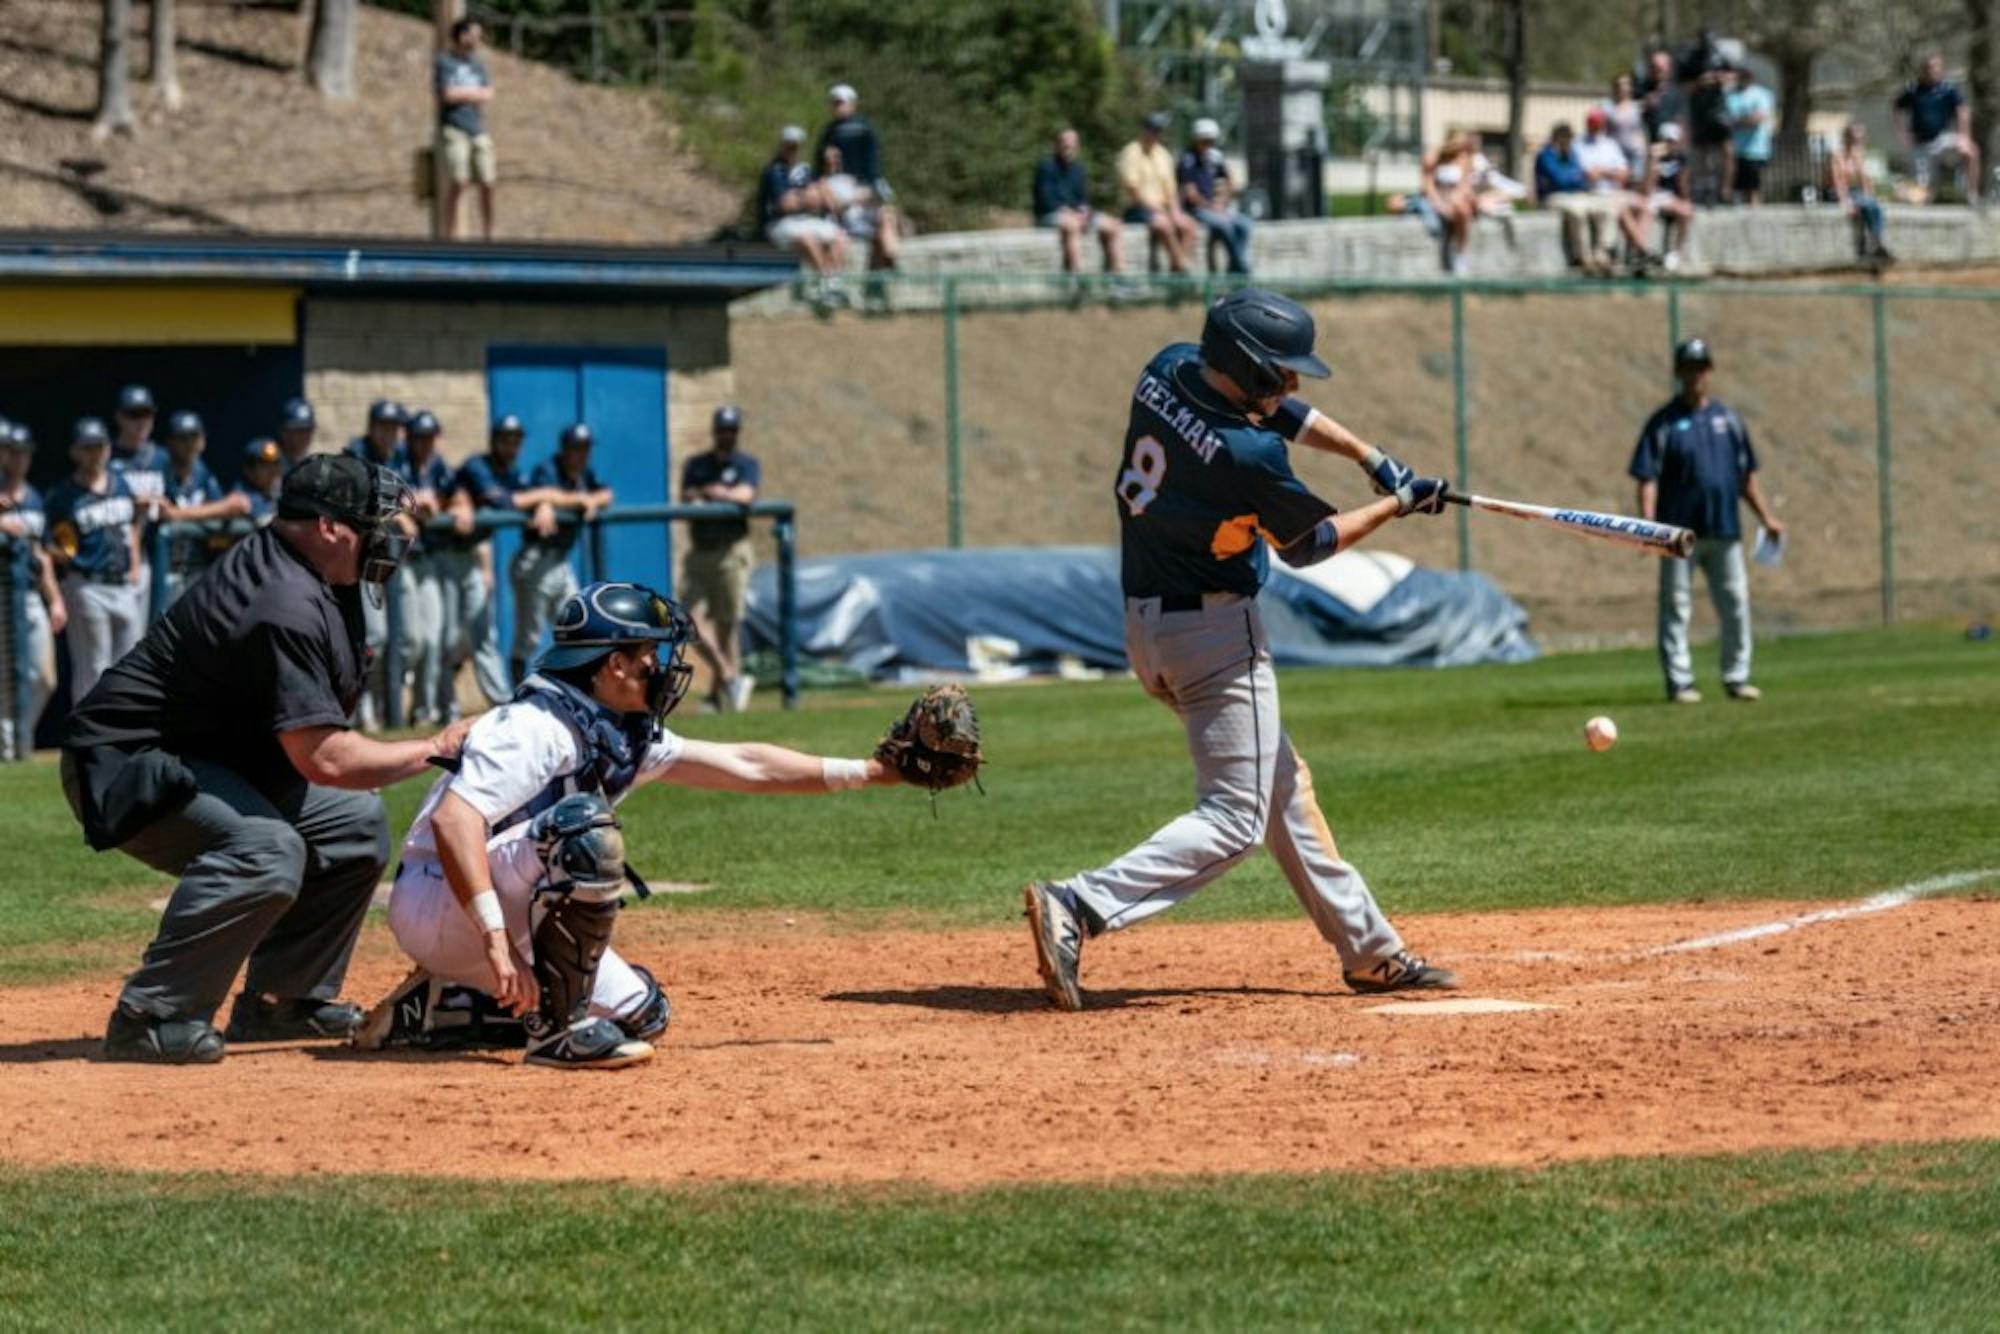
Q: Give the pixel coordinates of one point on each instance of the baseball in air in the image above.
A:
(1600, 733)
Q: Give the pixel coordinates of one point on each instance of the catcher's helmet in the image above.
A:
(1252, 336)
(604, 616)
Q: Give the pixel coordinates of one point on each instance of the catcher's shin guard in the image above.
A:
(569, 942)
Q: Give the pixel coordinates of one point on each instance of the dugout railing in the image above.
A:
(17, 585)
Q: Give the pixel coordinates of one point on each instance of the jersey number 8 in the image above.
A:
(1139, 484)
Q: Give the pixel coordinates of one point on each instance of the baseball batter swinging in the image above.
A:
(1205, 485)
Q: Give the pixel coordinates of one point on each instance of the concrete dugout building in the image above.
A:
(635, 342)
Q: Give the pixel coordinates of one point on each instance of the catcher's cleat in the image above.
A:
(1401, 971)
(132, 1035)
(654, 1013)
(401, 1018)
(256, 1018)
(589, 1044)
(1058, 944)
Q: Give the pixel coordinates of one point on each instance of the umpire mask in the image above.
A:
(363, 496)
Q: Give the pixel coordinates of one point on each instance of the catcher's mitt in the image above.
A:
(935, 744)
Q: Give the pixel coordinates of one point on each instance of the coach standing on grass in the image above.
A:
(1693, 461)
(218, 751)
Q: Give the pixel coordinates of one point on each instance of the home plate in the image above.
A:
(1468, 1005)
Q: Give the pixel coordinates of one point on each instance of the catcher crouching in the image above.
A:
(512, 874)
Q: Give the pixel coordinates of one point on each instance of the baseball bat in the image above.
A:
(1662, 539)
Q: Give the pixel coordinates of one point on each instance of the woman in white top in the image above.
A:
(1849, 168)
(1627, 115)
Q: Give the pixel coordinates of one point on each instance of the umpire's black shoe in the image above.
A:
(133, 1035)
(269, 1019)
(1401, 971)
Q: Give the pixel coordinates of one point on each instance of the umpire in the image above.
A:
(218, 751)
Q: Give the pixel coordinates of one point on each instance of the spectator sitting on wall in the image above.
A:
(853, 205)
(849, 131)
(1664, 195)
(24, 519)
(1661, 100)
(1062, 201)
(463, 90)
(1612, 203)
(1936, 124)
(1751, 109)
(1849, 169)
(1209, 195)
(193, 496)
(792, 213)
(1627, 115)
(263, 477)
(1562, 184)
(1151, 198)
(297, 425)
(1448, 197)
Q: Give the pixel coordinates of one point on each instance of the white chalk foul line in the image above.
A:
(1883, 902)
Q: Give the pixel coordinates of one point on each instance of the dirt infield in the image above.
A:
(803, 1054)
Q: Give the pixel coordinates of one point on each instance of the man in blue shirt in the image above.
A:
(24, 519)
(193, 496)
(297, 425)
(1207, 193)
(1062, 201)
(541, 577)
(93, 535)
(135, 455)
(1561, 183)
(1692, 462)
(463, 88)
(491, 481)
(715, 579)
(382, 445)
(1206, 487)
(382, 442)
(1936, 122)
(792, 211)
(263, 475)
(1751, 109)
(421, 593)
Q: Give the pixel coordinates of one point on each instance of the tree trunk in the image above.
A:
(1514, 59)
(1790, 146)
(330, 56)
(166, 72)
(1982, 80)
(114, 86)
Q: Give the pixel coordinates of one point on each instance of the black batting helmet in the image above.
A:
(1252, 336)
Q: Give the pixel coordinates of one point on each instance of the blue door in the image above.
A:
(621, 393)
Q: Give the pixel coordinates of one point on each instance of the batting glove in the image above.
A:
(1422, 495)
(1389, 474)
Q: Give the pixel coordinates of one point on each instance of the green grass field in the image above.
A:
(1868, 765)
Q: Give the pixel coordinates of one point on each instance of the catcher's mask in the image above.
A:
(364, 496)
(605, 617)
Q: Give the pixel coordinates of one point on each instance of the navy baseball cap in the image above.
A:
(297, 416)
(578, 435)
(729, 418)
(424, 422)
(1693, 352)
(509, 424)
(261, 450)
(16, 435)
(387, 410)
(135, 399)
(1158, 120)
(90, 432)
(184, 423)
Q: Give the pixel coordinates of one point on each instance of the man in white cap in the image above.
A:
(1209, 194)
(790, 214)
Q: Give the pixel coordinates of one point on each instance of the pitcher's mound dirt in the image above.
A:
(801, 1054)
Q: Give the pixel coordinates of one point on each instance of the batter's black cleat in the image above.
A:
(652, 1017)
(1401, 971)
(256, 1018)
(589, 1044)
(133, 1035)
(1058, 943)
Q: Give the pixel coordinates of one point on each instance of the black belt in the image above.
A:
(93, 577)
(1181, 602)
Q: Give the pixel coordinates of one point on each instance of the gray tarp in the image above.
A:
(1025, 610)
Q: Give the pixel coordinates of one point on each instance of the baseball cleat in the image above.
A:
(654, 1013)
(1401, 971)
(256, 1018)
(132, 1035)
(589, 1044)
(1058, 944)
(1744, 691)
(1685, 695)
(401, 1018)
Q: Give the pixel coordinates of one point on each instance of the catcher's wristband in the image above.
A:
(843, 775)
(485, 908)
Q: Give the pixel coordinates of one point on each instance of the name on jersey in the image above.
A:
(1155, 394)
(106, 512)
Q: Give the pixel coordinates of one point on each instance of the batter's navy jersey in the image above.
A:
(93, 529)
(1202, 488)
(1699, 457)
(144, 470)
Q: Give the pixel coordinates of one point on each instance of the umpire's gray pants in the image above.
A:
(542, 578)
(421, 608)
(1721, 562)
(40, 653)
(284, 887)
(106, 621)
(1213, 668)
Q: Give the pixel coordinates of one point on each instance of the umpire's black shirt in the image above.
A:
(259, 645)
